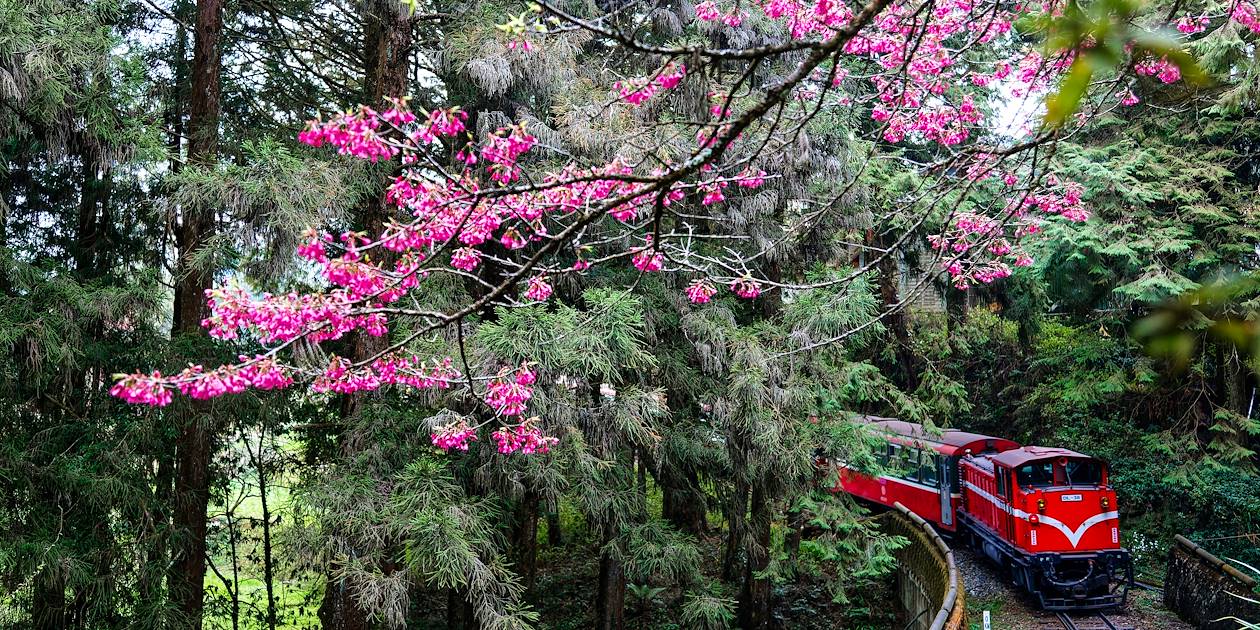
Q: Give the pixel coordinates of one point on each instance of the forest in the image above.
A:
(490, 314)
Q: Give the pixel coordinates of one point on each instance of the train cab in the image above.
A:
(1049, 513)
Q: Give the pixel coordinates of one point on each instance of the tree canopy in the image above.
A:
(457, 314)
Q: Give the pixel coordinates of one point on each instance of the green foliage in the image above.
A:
(596, 343)
(849, 547)
(272, 195)
(706, 609)
(658, 553)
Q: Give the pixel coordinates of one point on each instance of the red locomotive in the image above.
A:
(1048, 514)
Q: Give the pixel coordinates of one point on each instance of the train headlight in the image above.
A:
(1041, 505)
(1106, 503)
(1034, 519)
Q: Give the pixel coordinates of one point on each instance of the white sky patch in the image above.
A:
(1016, 116)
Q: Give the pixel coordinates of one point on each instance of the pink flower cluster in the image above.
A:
(465, 259)
(538, 289)
(639, 90)
(1163, 69)
(986, 274)
(455, 435)
(968, 230)
(342, 377)
(365, 133)
(746, 288)
(749, 179)
(523, 438)
(283, 318)
(1245, 13)
(806, 19)
(1065, 203)
(700, 292)
(648, 260)
(1191, 25)
(502, 150)
(195, 382)
(900, 39)
(508, 393)
(944, 125)
(707, 11)
(145, 389)
(712, 193)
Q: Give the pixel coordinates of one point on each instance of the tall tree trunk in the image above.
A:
(526, 543)
(754, 601)
(459, 613)
(93, 210)
(889, 285)
(236, 571)
(387, 48)
(956, 307)
(694, 513)
(796, 531)
(736, 515)
(48, 601)
(155, 566)
(194, 445)
(555, 537)
(610, 601)
(640, 464)
(268, 563)
(682, 501)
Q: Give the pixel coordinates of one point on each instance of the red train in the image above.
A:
(1048, 514)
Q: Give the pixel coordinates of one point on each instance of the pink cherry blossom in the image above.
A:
(707, 11)
(538, 289)
(648, 260)
(1245, 13)
(144, 389)
(1163, 69)
(523, 438)
(912, 62)
(466, 259)
(750, 179)
(1191, 25)
(713, 193)
(456, 436)
(746, 288)
(700, 292)
(508, 393)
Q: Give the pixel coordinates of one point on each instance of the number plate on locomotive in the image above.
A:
(1071, 497)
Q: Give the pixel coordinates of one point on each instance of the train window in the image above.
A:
(927, 469)
(1083, 472)
(1036, 475)
(910, 465)
(1000, 474)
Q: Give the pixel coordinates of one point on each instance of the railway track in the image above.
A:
(1158, 588)
(1093, 621)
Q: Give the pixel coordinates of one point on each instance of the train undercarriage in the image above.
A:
(1097, 580)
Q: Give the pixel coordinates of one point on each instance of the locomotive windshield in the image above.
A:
(1047, 473)
(1083, 472)
(1035, 475)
